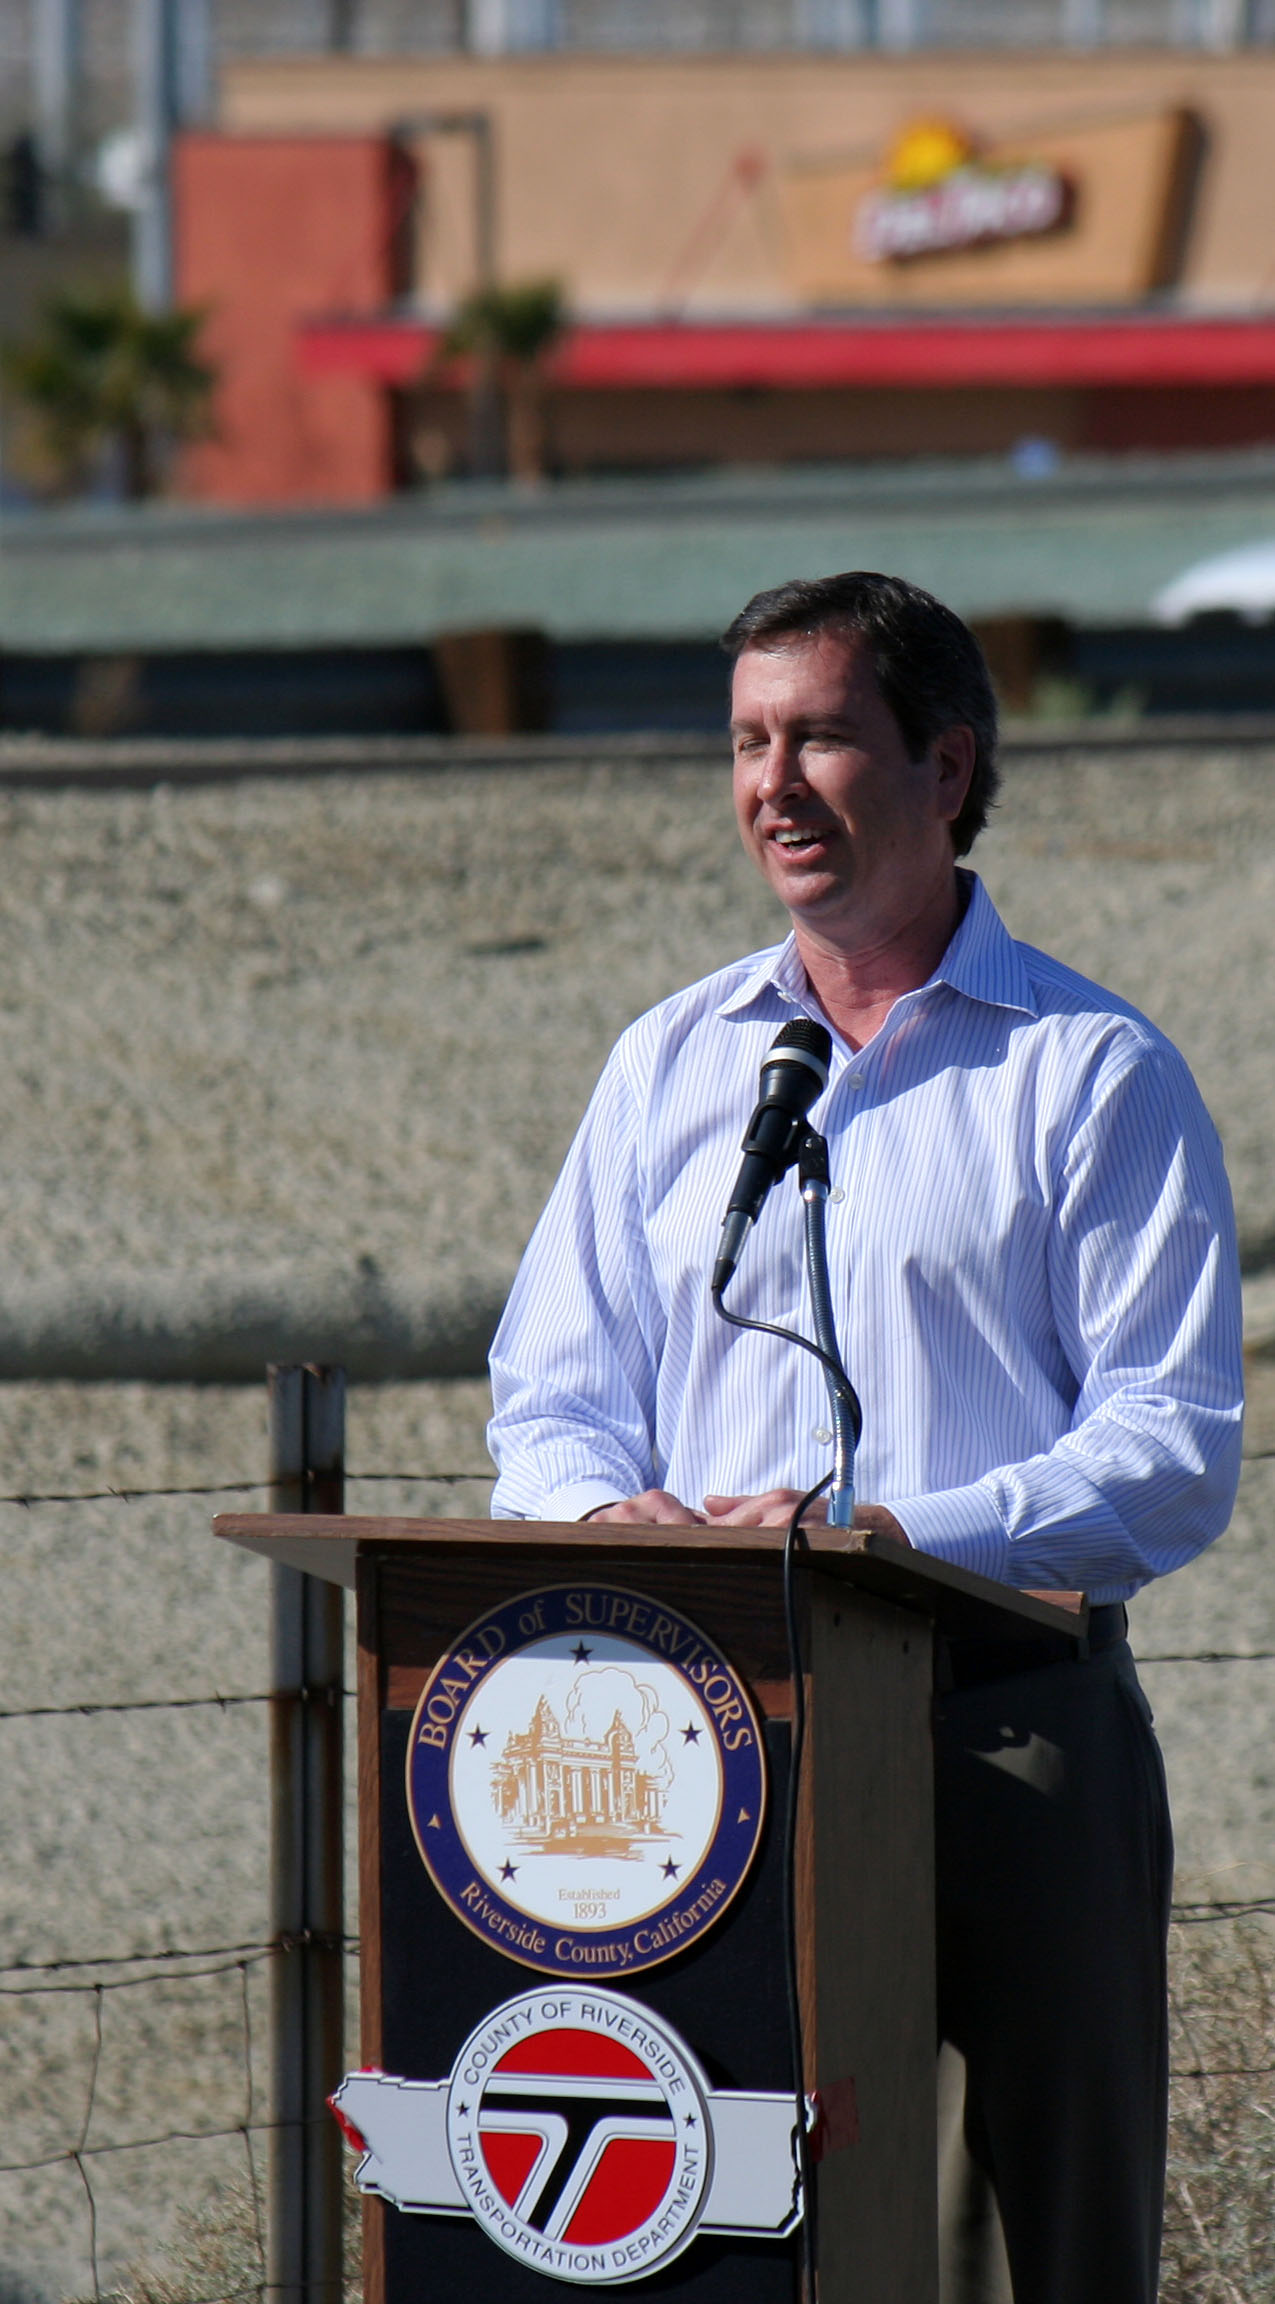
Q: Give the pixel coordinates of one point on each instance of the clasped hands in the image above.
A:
(655, 1507)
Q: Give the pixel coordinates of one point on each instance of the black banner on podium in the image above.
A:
(724, 1997)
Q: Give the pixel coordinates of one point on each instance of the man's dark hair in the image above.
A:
(928, 665)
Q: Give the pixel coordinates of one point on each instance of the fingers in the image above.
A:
(773, 1510)
(653, 1508)
(656, 1508)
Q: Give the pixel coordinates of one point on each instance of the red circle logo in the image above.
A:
(578, 2128)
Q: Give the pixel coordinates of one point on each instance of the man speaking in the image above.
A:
(1035, 1284)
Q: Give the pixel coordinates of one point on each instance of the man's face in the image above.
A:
(853, 837)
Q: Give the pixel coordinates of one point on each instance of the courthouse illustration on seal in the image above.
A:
(564, 1794)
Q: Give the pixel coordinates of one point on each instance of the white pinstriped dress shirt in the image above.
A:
(1033, 1271)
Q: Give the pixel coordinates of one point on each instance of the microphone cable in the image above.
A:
(795, 1539)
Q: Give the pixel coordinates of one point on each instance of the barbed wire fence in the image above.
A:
(1219, 2237)
(75, 2122)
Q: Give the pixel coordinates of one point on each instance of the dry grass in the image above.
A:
(215, 2257)
(1219, 2242)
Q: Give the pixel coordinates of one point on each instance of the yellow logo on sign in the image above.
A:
(924, 153)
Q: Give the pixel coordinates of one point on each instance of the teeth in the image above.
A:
(795, 839)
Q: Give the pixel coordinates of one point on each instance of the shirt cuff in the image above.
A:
(961, 1525)
(577, 1498)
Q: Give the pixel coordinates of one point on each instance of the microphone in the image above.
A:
(794, 1073)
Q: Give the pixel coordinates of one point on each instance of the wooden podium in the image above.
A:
(869, 1611)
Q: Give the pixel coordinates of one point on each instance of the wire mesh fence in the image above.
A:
(135, 1933)
(135, 2040)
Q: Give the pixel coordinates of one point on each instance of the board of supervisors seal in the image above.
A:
(586, 1780)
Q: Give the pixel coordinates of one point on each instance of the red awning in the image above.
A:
(806, 354)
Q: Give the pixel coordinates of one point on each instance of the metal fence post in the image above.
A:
(307, 1905)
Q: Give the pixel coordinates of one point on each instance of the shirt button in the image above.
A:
(837, 1193)
(856, 1080)
(822, 1434)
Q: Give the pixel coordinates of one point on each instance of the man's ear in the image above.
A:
(953, 755)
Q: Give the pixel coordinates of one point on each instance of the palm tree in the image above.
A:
(506, 332)
(101, 377)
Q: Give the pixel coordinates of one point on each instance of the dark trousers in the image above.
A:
(1054, 1870)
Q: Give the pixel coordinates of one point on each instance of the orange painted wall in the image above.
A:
(269, 228)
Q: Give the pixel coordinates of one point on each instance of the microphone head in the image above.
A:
(794, 1074)
(796, 1066)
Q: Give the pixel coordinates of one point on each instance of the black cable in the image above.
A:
(797, 1536)
(825, 1359)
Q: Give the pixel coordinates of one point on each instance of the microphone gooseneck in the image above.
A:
(794, 1074)
(847, 1416)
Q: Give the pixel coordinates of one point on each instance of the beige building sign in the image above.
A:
(1088, 215)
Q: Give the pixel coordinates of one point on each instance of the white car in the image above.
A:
(1242, 581)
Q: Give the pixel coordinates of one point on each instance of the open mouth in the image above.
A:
(793, 841)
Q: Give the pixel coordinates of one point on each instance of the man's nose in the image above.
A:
(781, 770)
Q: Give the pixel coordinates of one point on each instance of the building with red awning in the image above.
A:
(767, 258)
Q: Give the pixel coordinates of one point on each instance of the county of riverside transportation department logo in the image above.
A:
(581, 2134)
(576, 2144)
(585, 1780)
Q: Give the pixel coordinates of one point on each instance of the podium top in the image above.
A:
(328, 1545)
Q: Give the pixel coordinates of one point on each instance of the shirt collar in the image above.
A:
(982, 961)
(778, 970)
